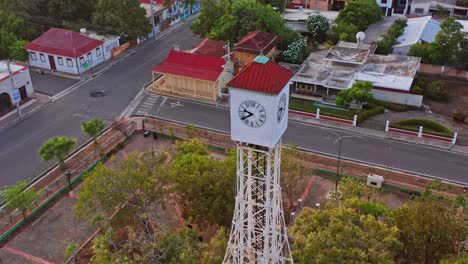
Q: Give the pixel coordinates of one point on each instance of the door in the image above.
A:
(23, 93)
(52, 63)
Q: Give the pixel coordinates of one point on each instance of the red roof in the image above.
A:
(256, 42)
(159, 2)
(210, 47)
(191, 65)
(63, 42)
(264, 76)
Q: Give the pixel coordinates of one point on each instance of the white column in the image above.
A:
(318, 113)
(355, 120)
(387, 125)
(454, 140)
(420, 131)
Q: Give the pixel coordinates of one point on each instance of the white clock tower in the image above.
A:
(259, 116)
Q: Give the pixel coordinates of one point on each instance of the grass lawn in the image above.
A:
(429, 127)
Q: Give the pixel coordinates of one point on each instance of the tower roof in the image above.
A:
(262, 75)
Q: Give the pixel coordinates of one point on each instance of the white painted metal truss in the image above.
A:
(258, 232)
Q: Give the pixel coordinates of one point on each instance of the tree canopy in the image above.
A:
(18, 197)
(93, 128)
(318, 26)
(124, 17)
(203, 186)
(58, 148)
(359, 93)
(356, 16)
(230, 21)
(13, 33)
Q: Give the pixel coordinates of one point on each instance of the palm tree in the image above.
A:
(93, 129)
(57, 147)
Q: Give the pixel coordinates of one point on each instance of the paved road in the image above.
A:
(386, 153)
(19, 145)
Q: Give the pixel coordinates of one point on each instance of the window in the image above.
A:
(383, 1)
(69, 63)
(90, 57)
(60, 61)
(33, 56)
(98, 51)
(81, 61)
(419, 10)
(42, 57)
(402, 2)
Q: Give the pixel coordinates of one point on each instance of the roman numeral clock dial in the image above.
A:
(252, 114)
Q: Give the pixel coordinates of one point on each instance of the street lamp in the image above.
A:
(68, 174)
(340, 139)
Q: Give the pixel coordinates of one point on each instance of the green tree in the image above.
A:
(318, 26)
(137, 182)
(430, 229)
(420, 50)
(203, 186)
(213, 252)
(359, 93)
(181, 247)
(294, 52)
(58, 148)
(448, 40)
(93, 128)
(18, 197)
(71, 250)
(124, 17)
(357, 16)
(17, 52)
(12, 30)
(342, 234)
(238, 18)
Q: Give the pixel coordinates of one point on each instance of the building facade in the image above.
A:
(21, 80)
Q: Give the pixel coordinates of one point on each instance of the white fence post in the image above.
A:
(420, 131)
(387, 125)
(454, 139)
(355, 120)
(318, 113)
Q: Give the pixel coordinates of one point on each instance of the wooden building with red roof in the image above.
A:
(191, 75)
(252, 45)
(68, 51)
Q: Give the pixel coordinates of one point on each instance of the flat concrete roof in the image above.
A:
(4, 69)
(390, 71)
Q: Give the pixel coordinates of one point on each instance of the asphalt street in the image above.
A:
(19, 145)
(385, 153)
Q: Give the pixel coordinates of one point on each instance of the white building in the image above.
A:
(296, 18)
(418, 30)
(68, 51)
(22, 81)
(429, 7)
(325, 73)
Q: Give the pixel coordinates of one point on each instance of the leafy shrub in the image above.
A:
(459, 116)
(392, 106)
(295, 50)
(364, 115)
(437, 91)
(416, 90)
(318, 26)
(429, 127)
(385, 45)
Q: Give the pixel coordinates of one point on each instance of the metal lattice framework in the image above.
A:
(258, 232)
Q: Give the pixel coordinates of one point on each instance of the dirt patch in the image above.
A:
(458, 98)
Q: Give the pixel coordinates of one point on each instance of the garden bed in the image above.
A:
(429, 127)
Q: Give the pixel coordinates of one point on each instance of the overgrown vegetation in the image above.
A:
(437, 91)
(385, 45)
(391, 106)
(429, 127)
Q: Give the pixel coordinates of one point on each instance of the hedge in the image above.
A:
(308, 106)
(392, 106)
(429, 127)
(364, 115)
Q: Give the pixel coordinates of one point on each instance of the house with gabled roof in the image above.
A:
(191, 75)
(252, 45)
(68, 51)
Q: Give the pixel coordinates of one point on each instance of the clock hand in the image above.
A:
(244, 117)
(245, 111)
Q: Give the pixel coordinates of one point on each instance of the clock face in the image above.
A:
(252, 114)
(281, 108)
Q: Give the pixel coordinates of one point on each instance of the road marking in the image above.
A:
(163, 102)
(133, 104)
(176, 104)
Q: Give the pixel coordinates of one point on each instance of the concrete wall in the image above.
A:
(402, 50)
(109, 46)
(443, 71)
(20, 79)
(398, 98)
(424, 6)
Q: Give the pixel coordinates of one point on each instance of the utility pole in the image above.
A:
(18, 109)
(152, 19)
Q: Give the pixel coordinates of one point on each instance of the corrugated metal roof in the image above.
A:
(191, 65)
(63, 42)
(268, 77)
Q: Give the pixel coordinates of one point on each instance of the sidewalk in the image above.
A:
(26, 110)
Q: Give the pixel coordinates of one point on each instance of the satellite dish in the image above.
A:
(360, 36)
